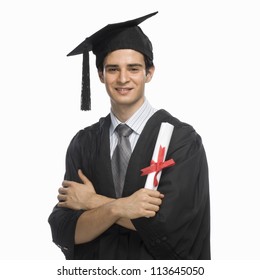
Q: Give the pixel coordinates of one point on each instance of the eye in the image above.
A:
(134, 69)
(111, 69)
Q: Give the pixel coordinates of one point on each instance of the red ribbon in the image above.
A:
(157, 166)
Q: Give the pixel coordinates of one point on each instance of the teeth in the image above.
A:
(123, 90)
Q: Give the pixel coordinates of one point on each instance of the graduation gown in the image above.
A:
(180, 229)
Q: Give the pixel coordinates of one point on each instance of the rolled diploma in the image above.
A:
(163, 139)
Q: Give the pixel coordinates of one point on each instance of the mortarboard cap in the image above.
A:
(123, 35)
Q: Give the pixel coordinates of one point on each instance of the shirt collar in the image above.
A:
(134, 121)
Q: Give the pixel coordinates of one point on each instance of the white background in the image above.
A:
(207, 74)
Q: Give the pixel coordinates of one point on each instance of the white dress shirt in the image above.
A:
(136, 122)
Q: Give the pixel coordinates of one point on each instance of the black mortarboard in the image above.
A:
(123, 35)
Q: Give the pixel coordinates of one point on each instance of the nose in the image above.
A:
(123, 76)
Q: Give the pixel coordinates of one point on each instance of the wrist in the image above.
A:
(98, 200)
(116, 208)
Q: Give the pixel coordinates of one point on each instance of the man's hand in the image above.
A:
(77, 196)
(142, 203)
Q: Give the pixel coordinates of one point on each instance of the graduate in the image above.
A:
(103, 210)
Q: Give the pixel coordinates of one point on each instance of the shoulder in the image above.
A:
(184, 133)
(90, 133)
(179, 126)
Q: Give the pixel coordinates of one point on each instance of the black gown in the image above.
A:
(181, 228)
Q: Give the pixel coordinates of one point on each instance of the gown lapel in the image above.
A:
(142, 153)
(103, 171)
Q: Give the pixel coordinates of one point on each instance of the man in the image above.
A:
(99, 216)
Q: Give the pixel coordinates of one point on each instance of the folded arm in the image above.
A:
(101, 211)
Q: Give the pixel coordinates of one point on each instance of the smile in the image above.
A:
(123, 90)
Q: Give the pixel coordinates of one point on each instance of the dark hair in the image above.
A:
(148, 64)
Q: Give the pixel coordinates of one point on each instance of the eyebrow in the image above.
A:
(135, 65)
(111, 65)
(128, 65)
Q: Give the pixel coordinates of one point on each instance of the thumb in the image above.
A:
(82, 177)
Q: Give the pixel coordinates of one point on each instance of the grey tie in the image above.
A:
(121, 157)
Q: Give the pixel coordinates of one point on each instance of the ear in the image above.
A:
(101, 76)
(149, 74)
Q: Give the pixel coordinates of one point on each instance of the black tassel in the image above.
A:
(85, 89)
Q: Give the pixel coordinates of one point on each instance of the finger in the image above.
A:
(152, 207)
(82, 177)
(66, 184)
(158, 194)
(62, 204)
(154, 193)
(155, 201)
(62, 190)
(61, 197)
(149, 214)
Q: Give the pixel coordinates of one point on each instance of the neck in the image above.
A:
(122, 114)
(125, 112)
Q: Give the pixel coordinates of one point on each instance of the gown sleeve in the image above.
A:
(180, 229)
(63, 220)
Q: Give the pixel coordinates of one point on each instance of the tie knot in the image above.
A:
(123, 130)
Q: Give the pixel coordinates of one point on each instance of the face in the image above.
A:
(125, 76)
